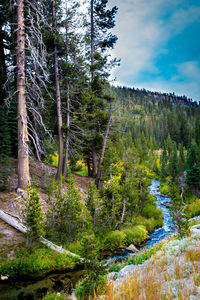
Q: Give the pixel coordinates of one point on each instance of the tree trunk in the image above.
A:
(67, 104)
(67, 132)
(94, 159)
(23, 151)
(58, 99)
(97, 181)
(92, 37)
(123, 214)
(89, 168)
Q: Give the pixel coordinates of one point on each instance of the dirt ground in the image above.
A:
(13, 202)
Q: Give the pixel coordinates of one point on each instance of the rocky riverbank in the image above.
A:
(171, 273)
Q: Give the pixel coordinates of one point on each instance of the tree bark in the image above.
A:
(67, 104)
(58, 99)
(23, 150)
(67, 132)
(123, 214)
(88, 166)
(92, 37)
(94, 159)
(97, 181)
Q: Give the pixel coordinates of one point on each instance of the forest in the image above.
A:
(78, 154)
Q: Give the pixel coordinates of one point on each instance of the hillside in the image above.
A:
(12, 201)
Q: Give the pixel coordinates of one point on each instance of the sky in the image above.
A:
(159, 45)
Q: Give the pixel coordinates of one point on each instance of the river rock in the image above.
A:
(132, 249)
(197, 218)
(126, 271)
(166, 204)
(195, 229)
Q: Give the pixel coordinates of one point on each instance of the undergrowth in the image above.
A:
(36, 263)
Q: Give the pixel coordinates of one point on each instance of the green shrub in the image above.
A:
(114, 240)
(56, 296)
(39, 262)
(85, 291)
(135, 234)
(148, 223)
(193, 209)
(151, 211)
(164, 188)
(114, 268)
(189, 197)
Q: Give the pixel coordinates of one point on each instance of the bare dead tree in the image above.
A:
(58, 98)
(67, 100)
(92, 36)
(23, 152)
(37, 75)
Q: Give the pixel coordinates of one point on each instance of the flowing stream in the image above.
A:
(36, 289)
(158, 234)
(163, 203)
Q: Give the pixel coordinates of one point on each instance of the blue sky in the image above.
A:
(159, 45)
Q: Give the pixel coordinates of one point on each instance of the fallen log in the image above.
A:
(20, 227)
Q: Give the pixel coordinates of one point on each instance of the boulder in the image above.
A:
(132, 249)
(126, 271)
(197, 219)
(195, 229)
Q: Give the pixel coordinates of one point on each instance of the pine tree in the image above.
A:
(193, 164)
(66, 213)
(33, 216)
(163, 170)
(101, 21)
(177, 210)
(173, 164)
(182, 160)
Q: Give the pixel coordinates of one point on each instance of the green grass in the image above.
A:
(141, 257)
(56, 296)
(36, 263)
(82, 172)
(81, 168)
(114, 268)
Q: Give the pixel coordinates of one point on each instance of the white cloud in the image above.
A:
(143, 28)
(189, 70)
(185, 82)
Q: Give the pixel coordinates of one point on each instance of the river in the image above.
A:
(59, 281)
(158, 234)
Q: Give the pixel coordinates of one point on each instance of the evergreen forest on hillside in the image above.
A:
(77, 154)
